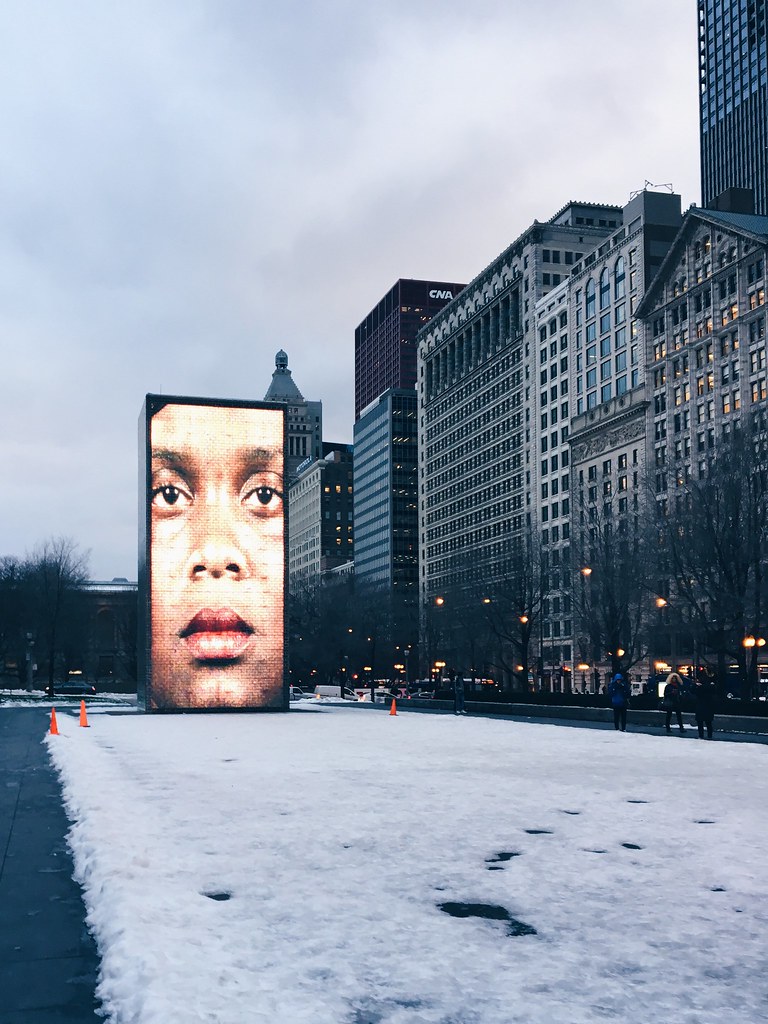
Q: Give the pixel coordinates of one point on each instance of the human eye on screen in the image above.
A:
(170, 499)
(262, 497)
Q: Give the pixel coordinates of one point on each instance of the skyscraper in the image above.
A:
(385, 493)
(733, 105)
(385, 342)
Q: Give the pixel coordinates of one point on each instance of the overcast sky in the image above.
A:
(189, 186)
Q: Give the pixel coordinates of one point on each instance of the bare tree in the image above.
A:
(56, 571)
(513, 603)
(715, 540)
(14, 616)
(614, 573)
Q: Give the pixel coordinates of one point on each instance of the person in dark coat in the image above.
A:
(704, 693)
(458, 695)
(672, 701)
(618, 694)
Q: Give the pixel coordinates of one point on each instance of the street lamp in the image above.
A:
(438, 670)
(30, 638)
(583, 667)
(400, 668)
(750, 643)
(371, 685)
(585, 572)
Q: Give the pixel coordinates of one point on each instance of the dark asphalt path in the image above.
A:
(48, 960)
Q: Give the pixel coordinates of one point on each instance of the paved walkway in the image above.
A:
(48, 960)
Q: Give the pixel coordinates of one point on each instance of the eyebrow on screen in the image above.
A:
(265, 459)
(170, 458)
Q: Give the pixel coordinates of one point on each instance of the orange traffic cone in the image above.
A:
(54, 727)
(83, 716)
(393, 709)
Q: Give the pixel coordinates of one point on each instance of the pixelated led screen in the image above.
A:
(216, 557)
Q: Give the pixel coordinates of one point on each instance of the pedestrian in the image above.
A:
(672, 701)
(618, 693)
(458, 695)
(704, 693)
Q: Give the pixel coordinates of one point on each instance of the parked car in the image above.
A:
(74, 689)
(335, 691)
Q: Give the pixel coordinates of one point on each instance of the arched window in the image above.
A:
(619, 288)
(605, 289)
(589, 299)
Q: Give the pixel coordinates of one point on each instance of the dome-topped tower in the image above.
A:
(305, 419)
(283, 387)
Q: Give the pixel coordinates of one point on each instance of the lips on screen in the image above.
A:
(217, 557)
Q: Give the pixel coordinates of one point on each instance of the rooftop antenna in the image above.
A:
(649, 184)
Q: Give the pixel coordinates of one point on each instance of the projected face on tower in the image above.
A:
(217, 557)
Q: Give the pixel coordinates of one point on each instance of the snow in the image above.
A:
(39, 698)
(337, 832)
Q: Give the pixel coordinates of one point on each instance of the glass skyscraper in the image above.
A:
(385, 493)
(733, 71)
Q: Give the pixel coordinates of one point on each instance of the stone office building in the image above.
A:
(705, 320)
(478, 378)
(320, 503)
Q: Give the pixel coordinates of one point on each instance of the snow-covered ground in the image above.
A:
(337, 834)
(39, 698)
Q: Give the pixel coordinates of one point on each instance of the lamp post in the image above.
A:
(585, 572)
(752, 645)
(369, 672)
(30, 638)
(583, 667)
(399, 667)
(524, 641)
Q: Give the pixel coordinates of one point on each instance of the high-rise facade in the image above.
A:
(535, 409)
(477, 386)
(320, 514)
(385, 342)
(733, 104)
(304, 419)
(386, 495)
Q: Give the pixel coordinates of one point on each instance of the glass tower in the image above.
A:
(385, 493)
(733, 72)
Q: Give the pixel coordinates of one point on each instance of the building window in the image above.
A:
(589, 299)
(605, 289)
